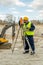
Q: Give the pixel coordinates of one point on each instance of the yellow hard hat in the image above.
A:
(25, 18)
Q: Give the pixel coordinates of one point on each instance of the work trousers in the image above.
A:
(31, 43)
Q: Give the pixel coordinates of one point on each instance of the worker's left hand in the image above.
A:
(27, 28)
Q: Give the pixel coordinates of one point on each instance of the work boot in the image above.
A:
(25, 52)
(32, 53)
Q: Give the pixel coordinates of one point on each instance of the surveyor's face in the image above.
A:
(25, 21)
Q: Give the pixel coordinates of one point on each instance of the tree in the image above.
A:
(10, 18)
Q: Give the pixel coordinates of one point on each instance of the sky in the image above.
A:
(20, 8)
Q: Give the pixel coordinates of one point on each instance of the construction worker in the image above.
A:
(28, 28)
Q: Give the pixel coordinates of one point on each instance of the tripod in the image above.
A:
(16, 40)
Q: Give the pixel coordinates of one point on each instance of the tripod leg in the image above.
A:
(15, 40)
(22, 35)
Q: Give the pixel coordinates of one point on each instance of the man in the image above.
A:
(28, 28)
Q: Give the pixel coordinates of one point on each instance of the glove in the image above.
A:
(27, 27)
(22, 37)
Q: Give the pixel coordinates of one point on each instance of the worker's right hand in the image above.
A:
(22, 37)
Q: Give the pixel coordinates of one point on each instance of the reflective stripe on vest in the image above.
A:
(28, 32)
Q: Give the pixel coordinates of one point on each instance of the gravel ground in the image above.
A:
(18, 58)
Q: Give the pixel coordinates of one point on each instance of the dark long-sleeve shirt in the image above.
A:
(32, 27)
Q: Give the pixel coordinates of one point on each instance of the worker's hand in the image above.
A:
(22, 37)
(27, 27)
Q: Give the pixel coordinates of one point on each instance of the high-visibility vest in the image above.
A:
(27, 32)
